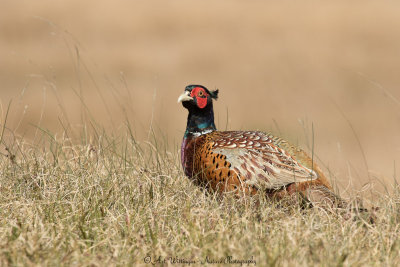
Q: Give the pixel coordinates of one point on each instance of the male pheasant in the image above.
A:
(246, 162)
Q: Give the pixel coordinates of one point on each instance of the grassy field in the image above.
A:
(112, 201)
(90, 129)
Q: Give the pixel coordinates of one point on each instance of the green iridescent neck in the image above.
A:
(200, 122)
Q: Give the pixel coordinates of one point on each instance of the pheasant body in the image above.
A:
(245, 162)
(248, 161)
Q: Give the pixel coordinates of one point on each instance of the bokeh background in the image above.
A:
(290, 67)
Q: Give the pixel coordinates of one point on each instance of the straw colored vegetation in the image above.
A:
(113, 201)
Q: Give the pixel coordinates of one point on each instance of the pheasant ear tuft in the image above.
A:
(214, 94)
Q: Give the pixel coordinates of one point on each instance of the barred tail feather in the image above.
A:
(321, 196)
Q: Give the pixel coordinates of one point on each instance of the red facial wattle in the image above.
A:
(201, 96)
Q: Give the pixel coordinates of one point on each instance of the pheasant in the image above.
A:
(246, 162)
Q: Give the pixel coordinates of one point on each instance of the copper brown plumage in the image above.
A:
(246, 162)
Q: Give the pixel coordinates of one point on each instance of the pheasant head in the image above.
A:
(197, 99)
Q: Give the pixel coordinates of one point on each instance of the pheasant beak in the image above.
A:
(185, 97)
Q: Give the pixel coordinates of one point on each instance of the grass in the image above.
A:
(113, 201)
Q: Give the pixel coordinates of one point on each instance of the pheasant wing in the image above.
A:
(260, 160)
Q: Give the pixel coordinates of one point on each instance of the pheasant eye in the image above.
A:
(200, 93)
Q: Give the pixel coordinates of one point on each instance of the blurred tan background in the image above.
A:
(281, 66)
